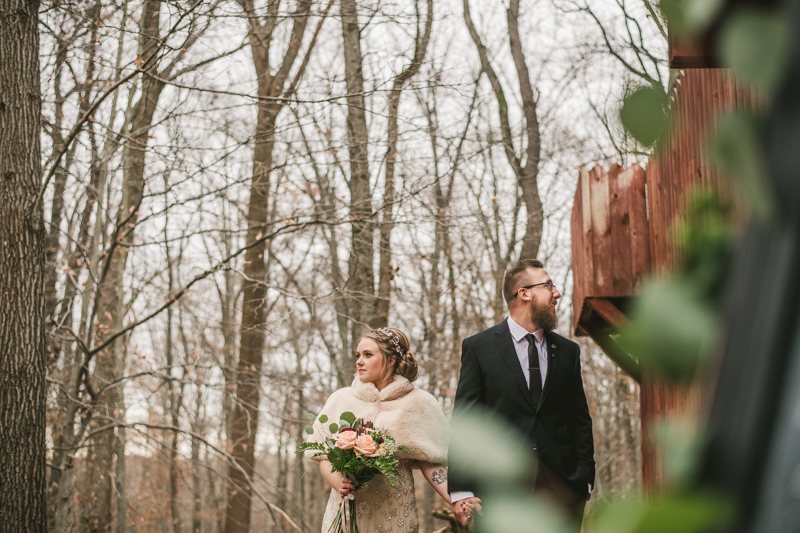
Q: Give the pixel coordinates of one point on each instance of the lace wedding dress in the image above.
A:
(379, 507)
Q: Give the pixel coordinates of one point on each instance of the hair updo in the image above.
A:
(393, 343)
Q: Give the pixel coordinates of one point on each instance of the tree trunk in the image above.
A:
(252, 333)
(254, 285)
(385, 270)
(122, 474)
(23, 505)
(109, 304)
(62, 436)
(300, 463)
(361, 285)
(174, 397)
(196, 484)
(530, 171)
(527, 172)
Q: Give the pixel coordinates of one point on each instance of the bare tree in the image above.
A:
(526, 168)
(385, 269)
(22, 261)
(634, 36)
(273, 92)
(361, 272)
(109, 308)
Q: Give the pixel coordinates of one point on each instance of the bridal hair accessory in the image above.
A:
(394, 339)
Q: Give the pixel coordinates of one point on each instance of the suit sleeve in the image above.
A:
(582, 425)
(468, 393)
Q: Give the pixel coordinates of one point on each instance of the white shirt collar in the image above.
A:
(518, 332)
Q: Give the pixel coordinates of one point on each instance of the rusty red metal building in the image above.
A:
(621, 221)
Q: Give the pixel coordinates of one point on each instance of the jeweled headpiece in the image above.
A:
(393, 339)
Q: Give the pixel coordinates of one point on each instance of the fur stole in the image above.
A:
(412, 416)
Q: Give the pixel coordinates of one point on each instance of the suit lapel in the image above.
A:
(508, 354)
(552, 366)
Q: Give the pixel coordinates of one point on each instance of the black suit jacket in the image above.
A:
(558, 430)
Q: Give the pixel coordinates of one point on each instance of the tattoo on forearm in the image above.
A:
(439, 476)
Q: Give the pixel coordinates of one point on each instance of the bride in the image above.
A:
(382, 392)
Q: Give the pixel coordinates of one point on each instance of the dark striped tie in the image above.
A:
(533, 369)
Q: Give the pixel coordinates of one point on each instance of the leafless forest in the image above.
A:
(234, 190)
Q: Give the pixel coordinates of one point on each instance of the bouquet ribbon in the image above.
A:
(345, 511)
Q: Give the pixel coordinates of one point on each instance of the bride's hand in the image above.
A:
(346, 487)
(464, 510)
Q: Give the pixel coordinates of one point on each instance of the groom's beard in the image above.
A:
(544, 316)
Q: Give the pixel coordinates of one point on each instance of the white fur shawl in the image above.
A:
(412, 416)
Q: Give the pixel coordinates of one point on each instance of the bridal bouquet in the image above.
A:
(360, 452)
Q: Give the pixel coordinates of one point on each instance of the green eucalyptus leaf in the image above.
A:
(688, 18)
(309, 430)
(310, 416)
(644, 115)
(687, 513)
(755, 44)
(700, 13)
(671, 329)
(675, 13)
(618, 517)
(706, 238)
(736, 150)
(348, 416)
(682, 440)
(485, 447)
(506, 511)
(333, 428)
(323, 418)
(344, 424)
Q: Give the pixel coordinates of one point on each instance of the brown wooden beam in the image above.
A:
(605, 339)
(609, 312)
(602, 323)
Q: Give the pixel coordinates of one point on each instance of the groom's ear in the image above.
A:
(523, 296)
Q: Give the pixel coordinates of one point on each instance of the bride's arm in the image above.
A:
(437, 477)
(336, 479)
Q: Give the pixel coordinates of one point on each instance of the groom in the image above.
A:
(530, 376)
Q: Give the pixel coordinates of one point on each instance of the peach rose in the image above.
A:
(366, 445)
(347, 439)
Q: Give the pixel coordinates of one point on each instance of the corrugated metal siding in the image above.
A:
(613, 243)
(701, 97)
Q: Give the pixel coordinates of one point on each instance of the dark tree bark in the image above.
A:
(361, 285)
(22, 263)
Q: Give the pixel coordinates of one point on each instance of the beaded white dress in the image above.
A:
(379, 507)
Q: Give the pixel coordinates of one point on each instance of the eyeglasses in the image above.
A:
(549, 284)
